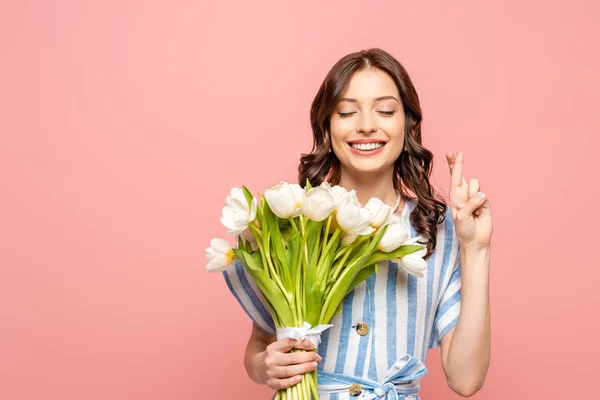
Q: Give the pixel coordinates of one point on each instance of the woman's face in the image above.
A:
(367, 126)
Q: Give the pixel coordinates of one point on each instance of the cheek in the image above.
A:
(339, 130)
(394, 128)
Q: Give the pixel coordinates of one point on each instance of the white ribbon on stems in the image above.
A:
(304, 332)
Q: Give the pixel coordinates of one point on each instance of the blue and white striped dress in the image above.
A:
(406, 317)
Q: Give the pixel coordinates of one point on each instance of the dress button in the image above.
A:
(362, 328)
(355, 389)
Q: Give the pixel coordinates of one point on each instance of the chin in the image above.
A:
(369, 167)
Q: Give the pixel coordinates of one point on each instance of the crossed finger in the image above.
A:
(455, 164)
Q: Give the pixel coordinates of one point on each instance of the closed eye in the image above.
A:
(346, 114)
(388, 113)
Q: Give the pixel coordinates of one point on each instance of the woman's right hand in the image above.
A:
(282, 369)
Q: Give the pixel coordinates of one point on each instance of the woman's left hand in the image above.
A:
(470, 208)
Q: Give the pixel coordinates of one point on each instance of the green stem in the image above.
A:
(314, 385)
(294, 224)
(305, 385)
(303, 227)
(298, 296)
(332, 292)
(324, 244)
(338, 268)
(327, 248)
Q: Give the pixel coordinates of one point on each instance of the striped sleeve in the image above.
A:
(244, 289)
(446, 316)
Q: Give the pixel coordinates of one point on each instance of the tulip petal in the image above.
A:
(317, 204)
(280, 199)
(218, 264)
(379, 210)
(220, 245)
(348, 238)
(414, 263)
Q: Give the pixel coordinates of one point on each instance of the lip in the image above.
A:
(366, 152)
(366, 141)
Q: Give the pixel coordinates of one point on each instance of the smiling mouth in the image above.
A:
(366, 146)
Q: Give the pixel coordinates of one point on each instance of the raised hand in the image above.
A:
(469, 206)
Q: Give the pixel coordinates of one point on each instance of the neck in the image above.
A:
(367, 185)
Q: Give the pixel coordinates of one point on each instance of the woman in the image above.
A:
(366, 122)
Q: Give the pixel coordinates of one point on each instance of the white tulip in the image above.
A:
(318, 204)
(414, 263)
(237, 214)
(393, 219)
(220, 255)
(353, 219)
(395, 235)
(338, 193)
(380, 211)
(285, 200)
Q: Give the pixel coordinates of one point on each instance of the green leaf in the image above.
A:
(307, 186)
(340, 288)
(277, 299)
(250, 261)
(293, 254)
(338, 310)
(313, 241)
(277, 242)
(247, 195)
(398, 253)
(376, 239)
(362, 275)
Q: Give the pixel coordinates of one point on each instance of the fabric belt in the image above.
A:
(401, 379)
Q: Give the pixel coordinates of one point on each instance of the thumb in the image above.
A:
(470, 206)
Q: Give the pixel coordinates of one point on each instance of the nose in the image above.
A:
(366, 124)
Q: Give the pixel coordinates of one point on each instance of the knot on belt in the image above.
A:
(402, 379)
(382, 391)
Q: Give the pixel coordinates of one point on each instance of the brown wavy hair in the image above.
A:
(412, 168)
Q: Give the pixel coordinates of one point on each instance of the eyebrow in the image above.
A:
(376, 99)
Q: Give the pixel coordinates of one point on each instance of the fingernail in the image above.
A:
(298, 378)
(314, 365)
(481, 195)
(319, 358)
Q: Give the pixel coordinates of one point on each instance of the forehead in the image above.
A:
(371, 83)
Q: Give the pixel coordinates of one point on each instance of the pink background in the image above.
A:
(124, 123)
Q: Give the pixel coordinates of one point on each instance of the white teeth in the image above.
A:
(366, 146)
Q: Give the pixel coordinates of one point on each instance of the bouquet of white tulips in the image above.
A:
(306, 249)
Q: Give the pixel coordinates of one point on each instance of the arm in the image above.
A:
(466, 348)
(257, 344)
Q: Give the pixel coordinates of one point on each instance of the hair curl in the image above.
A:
(412, 169)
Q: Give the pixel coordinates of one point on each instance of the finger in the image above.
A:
(285, 345)
(278, 384)
(290, 371)
(450, 157)
(298, 357)
(457, 177)
(471, 205)
(473, 187)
